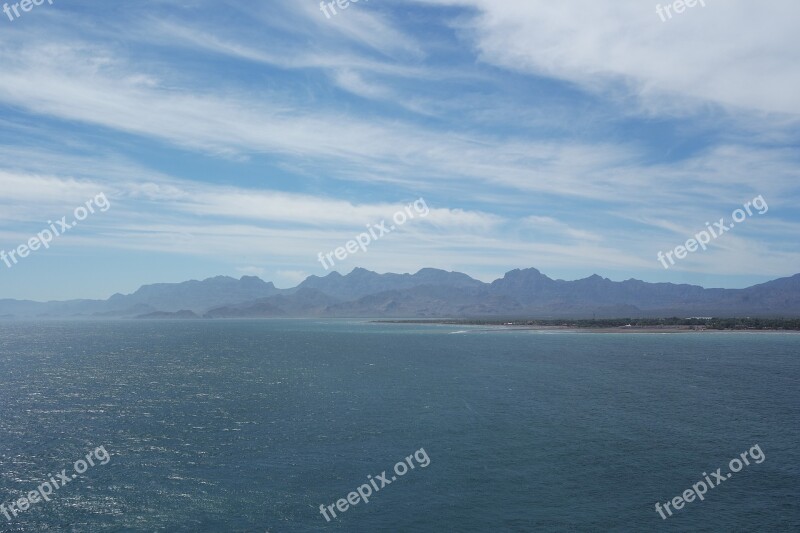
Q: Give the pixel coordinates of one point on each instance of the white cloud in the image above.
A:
(251, 271)
(734, 53)
(549, 225)
(290, 278)
(499, 197)
(353, 82)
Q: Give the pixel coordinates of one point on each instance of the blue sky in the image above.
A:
(241, 138)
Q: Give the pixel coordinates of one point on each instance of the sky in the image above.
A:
(247, 138)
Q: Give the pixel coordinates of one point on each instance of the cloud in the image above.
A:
(551, 226)
(733, 53)
(559, 135)
(363, 24)
(84, 84)
(251, 271)
(353, 82)
(290, 278)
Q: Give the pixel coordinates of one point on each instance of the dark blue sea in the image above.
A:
(228, 426)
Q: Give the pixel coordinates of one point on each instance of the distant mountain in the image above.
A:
(194, 295)
(520, 293)
(429, 293)
(303, 302)
(69, 308)
(535, 288)
(184, 314)
(361, 282)
(427, 301)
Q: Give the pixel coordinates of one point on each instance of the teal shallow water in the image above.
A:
(251, 425)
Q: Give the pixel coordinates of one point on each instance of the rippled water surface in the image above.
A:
(224, 426)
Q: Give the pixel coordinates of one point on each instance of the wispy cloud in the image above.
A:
(731, 53)
(573, 137)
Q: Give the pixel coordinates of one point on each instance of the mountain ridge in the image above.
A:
(429, 293)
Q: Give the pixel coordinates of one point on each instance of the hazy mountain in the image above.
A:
(27, 308)
(165, 315)
(300, 303)
(429, 301)
(361, 282)
(197, 296)
(428, 293)
(534, 288)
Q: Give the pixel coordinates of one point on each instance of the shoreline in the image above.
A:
(588, 329)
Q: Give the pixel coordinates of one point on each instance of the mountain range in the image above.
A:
(430, 293)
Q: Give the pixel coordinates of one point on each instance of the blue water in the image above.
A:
(225, 426)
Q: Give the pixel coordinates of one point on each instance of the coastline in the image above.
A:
(574, 328)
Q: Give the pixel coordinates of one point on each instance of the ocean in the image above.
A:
(252, 425)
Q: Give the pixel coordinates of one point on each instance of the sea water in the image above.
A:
(251, 425)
